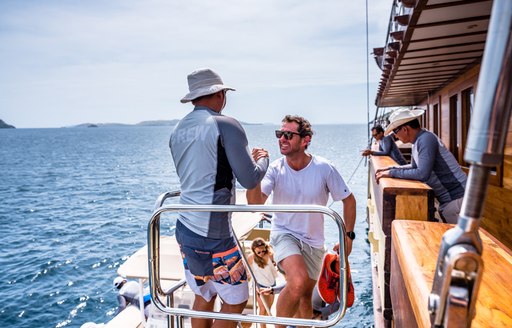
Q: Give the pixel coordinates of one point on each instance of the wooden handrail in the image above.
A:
(393, 199)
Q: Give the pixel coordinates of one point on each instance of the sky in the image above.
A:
(64, 63)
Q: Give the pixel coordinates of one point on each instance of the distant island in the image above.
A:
(4, 125)
(143, 123)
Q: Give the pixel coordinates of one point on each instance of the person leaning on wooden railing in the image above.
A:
(431, 163)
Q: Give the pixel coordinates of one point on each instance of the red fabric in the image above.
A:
(328, 282)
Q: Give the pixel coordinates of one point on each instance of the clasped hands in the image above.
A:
(258, 153)
(383, 173)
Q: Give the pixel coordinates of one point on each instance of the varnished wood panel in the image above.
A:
(466, 80)
(394, 184)
(497, 216)
(404, 313)
(507, 172)
(417, 245)
(507, 160)
(394, 199)
(411, 207)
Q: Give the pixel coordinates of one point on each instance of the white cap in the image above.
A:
(118, 281)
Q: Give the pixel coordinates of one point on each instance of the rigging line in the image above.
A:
(351, 176)
(367, 73)
(369, 138)
(367, 97)
(357, 167)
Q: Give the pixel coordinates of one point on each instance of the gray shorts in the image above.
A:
(450, 211)
(286, 245)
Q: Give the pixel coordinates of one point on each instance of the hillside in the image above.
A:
(4, 125)
(143, 123)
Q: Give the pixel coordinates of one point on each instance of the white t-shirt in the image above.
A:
(265, 276)
(309, 186)
(130, 290)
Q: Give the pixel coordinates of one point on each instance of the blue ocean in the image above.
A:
(75, 203)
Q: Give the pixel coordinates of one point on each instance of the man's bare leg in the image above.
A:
(306, 305)
(297, 285)
(200, 304)
(229, 308)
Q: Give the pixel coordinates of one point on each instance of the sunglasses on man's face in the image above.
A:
(395, 131)
(287, 134)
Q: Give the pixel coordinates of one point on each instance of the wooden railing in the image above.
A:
(389, 200)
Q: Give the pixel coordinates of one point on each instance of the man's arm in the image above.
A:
(385, 145)
(247, 171)
(349, 216)
(122, 304)
(427, 147)
(255, 196)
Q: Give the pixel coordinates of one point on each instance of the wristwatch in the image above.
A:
(351, 235)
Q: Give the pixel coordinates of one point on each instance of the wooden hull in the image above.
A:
(431, 61)
(392, 199)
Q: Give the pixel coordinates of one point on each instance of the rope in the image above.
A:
(367, 73)
(353, 173)
(351, 176)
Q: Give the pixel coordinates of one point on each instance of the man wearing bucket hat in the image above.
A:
(431, 163)
(210, 153)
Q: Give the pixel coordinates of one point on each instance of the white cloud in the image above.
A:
(66, 63)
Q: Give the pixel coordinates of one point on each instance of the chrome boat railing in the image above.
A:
(154, 263)
(459, 266)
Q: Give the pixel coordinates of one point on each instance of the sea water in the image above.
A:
(75, 203)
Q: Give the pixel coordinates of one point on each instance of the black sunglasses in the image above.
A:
(287, 134)
(261, 252)
(395, 131)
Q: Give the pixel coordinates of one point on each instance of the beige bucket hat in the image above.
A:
(402, 116)
(203, 82)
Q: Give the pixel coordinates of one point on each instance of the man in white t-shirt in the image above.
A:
(298, 238)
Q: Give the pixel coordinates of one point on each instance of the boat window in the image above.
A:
(466, 111)
(427, 124)
(425, 118)
(435, 123)
(454, 146)
(467, 98)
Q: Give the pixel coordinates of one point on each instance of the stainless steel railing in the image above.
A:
(154, 262)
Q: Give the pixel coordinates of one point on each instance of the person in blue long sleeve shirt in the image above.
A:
(431, 163)
(211, 154)
(387, 146)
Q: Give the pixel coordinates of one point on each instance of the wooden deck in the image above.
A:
(414, 256)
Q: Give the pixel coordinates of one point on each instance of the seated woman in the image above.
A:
(263, 266)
